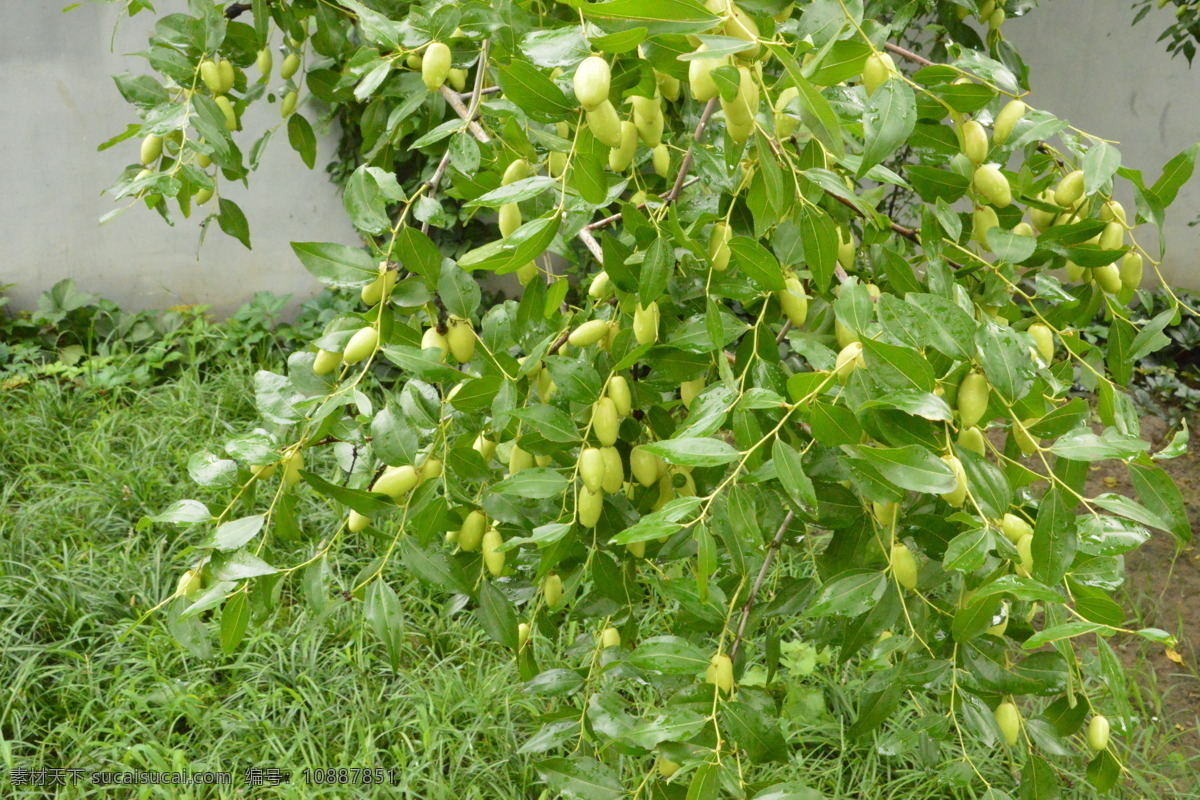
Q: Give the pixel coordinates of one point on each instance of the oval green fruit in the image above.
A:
(793, 302)
(660, 158)
(849, 359)
(509, 219)
(326, 362)
(1007, 119)
(1108, 278)
(972, 399)
(904, 566)
(1008, 719)
(493, 557)
(1131, 271)
(289, 103)
(718, 246)
(645, 323)
(231, 120)
(786, 122)
(396, 482)
(614, 470)
(356, 522)
(152, 147)
(589, 504)
(264, 61)
(1014, 528)
(609, 637)
(700, 70)
(523, 634)
(435, 65)
(588, 333)
(1098, 733)
(604, 124)
(210, 73)
(993, 186)
(1025, 552)
(361, 345)
(605, 422)
(1113, 236)
(666, 767)
(518, 170)
(972, 439)
(471, 534)
(592, 82)
(878, 68)
(1044, 338)
(519, 460)
(645, 466)
(668, 85)
(460, 339)
(552, 589)
(1112, 211)
(433, 339)
(291, 65)
(1070, 189)
(958, 494)
(592, 468)
(618, 390)
(974, 142)
(227, 75)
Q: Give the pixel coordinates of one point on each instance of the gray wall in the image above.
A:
(59, 104)
(1088, 65)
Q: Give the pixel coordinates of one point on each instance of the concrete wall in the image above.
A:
(60, 103)
(1089, 65)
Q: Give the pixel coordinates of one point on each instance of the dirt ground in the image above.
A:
(1163, 583)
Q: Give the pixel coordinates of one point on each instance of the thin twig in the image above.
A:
(590, 242)
(787, 326)
(907, 233)
(908, 54)
(440, 172)
(609, 220)
(482, 92)
(689, 156)
(758, 582)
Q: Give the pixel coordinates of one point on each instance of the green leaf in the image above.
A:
(1099, 165)
(533, 92)
(849, 594)
(365, 503)
(336, 264)
(181, 511)
(1160, 494)
(236, 533)
(789, 791)
(755, 732)
(657, 266)
(386, 617)
(1004, 355)
(1054, 538)
(497, 616)
(818, 233)
(694, 452)
(791, 476)
(538, 483)
(302, 139)
(657, 524)
(888, 121)
(458, 290)
(656, 16)
(912, 467)
(759, 264)
(815, 111)
(1175, 174)
(233, 222)
(552, 423)
(670, 655)
(581, 778)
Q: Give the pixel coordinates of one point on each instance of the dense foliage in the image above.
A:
(791, 376)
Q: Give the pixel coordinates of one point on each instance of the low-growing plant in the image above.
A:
(734, 396)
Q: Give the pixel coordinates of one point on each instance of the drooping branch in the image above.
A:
(467, 115)
(689, 156)
(758, 582)
(440, 172)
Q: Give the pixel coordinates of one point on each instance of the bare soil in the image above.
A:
(1163, 585)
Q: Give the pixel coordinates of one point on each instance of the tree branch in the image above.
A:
(758, 582)
(235, 10)
(440, 172)
(907, 54)
(689, 156)
(465, 114)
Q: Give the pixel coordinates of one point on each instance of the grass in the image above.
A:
(79, 469)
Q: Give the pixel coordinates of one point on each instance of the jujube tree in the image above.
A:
(794, 379)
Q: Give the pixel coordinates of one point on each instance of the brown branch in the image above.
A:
(907, 233)
(609, 220)
(488, 90)
(235, 10)
(689, 156)
(465, 114)
(758, 582)
(585, 236)
(907, 54)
